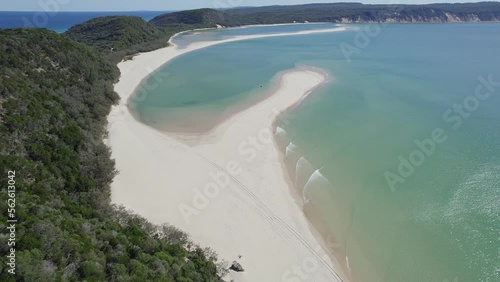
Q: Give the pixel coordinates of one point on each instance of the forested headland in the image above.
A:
(55, 95)
(363, 13)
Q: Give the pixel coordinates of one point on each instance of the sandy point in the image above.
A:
(229, 190)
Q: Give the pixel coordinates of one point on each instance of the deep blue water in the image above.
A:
(62, 21)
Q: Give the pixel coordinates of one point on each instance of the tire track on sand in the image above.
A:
(264, 210)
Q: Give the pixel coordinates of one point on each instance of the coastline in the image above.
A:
(148, 159)
(339, 27)
(318, 227)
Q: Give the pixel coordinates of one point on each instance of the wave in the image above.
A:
(291, 149)
(280, 132)
(347, 264)
(316, 179)
(292, 156)
(303, 171)
(281, 137)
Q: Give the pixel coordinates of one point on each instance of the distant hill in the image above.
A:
(121, 35)
(357, 12)
(200, 18)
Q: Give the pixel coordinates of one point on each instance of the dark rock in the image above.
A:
(236, 267)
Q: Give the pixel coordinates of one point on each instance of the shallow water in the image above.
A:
(439, 220)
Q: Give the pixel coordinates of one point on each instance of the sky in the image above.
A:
(168, 5)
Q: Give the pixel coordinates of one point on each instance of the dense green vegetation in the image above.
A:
(118, 36)
(357, 12)
(114, 32)
(55, 95)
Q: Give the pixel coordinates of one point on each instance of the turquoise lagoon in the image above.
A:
(438, 220)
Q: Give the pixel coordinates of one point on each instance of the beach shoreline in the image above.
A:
(284, 226)
(316, 224)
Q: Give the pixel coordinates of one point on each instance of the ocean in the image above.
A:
(61, 21)
(397, 159)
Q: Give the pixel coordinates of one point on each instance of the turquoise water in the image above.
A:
(443, 222)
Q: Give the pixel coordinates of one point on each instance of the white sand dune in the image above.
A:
(228, 189)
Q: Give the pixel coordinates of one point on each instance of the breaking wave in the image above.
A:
(291, 150)
(282, 139)
(303, 171)
(316, 179)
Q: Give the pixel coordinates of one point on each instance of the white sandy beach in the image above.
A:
(228, 189)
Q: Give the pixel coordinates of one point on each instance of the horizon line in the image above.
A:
(305, 4)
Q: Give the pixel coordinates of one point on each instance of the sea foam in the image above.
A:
(281, 137)
(291, 150)
(303, 171)
(317, 179)
(280, 132)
